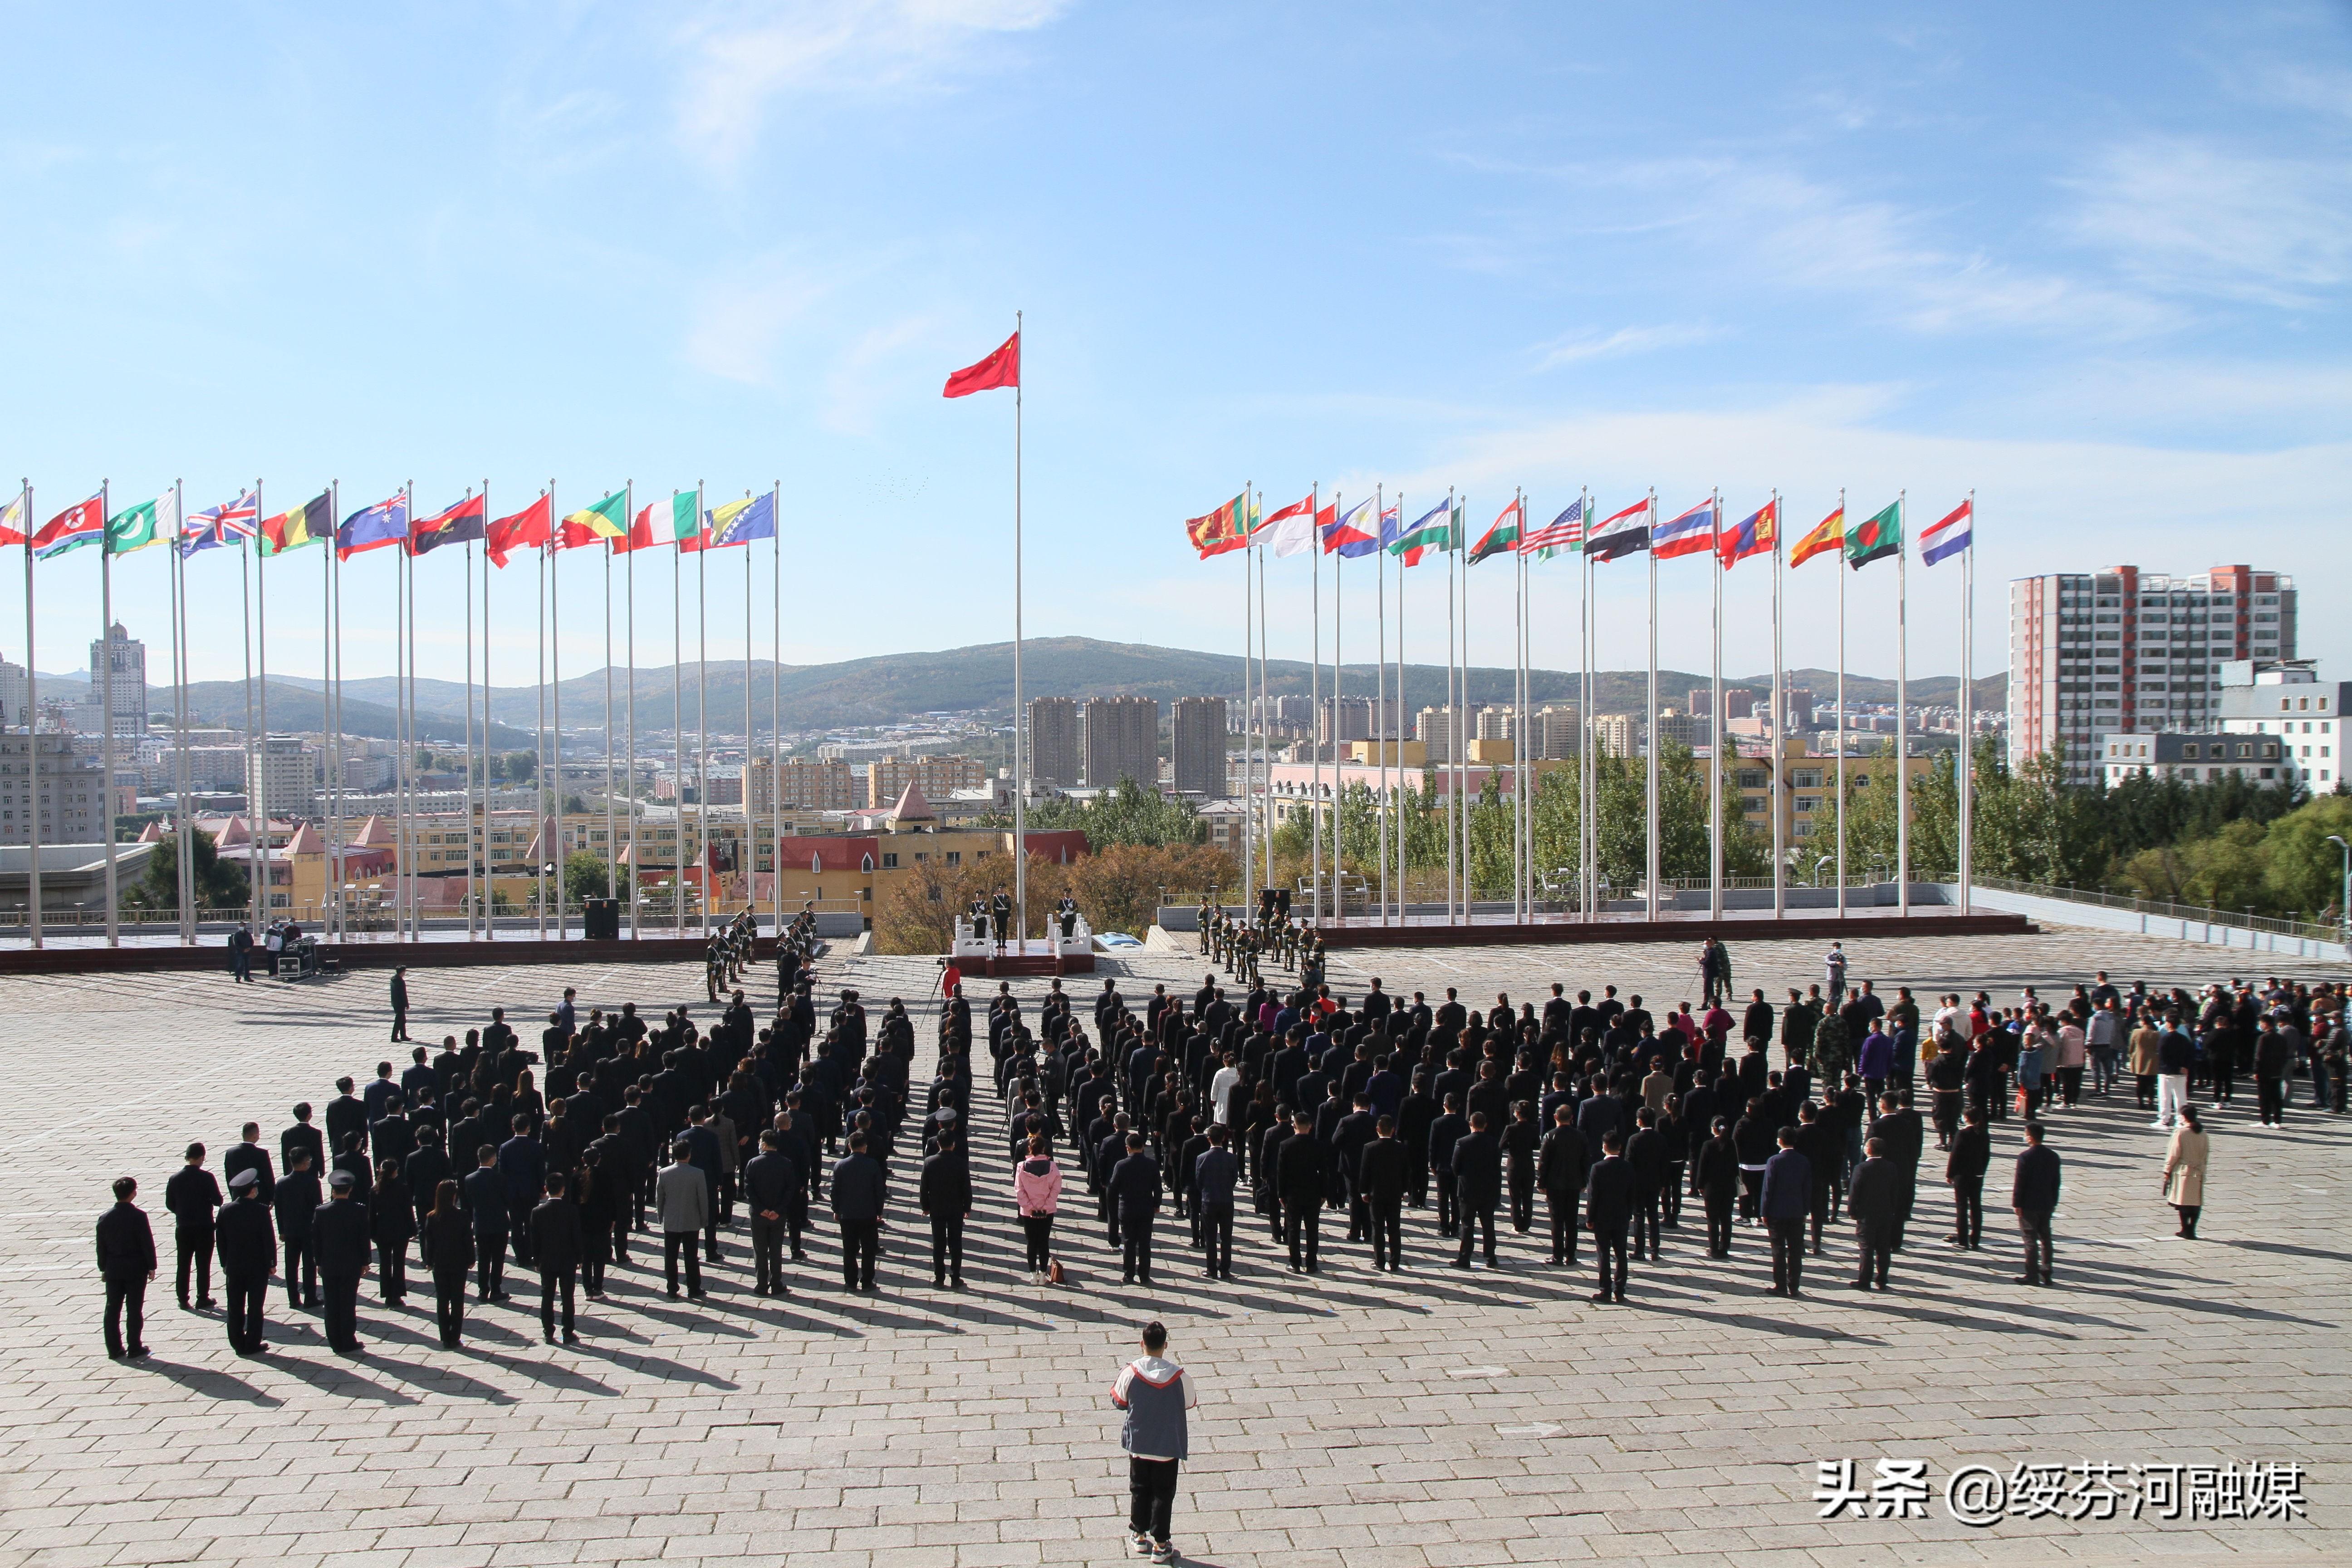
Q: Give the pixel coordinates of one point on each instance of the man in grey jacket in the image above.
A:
(682, 1198)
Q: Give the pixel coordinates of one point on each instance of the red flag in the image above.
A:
(1002, 368)
(525, 529)
(83, 517)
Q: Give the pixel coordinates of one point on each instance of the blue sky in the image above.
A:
(2097, 273)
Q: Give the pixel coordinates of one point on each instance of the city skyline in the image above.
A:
(1922, 252)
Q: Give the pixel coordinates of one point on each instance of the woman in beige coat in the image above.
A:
(2184, 1169)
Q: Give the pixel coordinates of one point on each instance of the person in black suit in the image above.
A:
(1135, 1192)
(1788, 1195)
(247, 1253)
(484, 1195)
(249, 1155)
(777, 1196)
(445, 1243)
(126, 1262)
(1478, 1164)
(1716, 1176)
(1380, 1175)
(1874, 1200)
(339, 1231)
(1645, 1153)
(193, 1196)
(301, 1135)
(944, 1193)
(1608, 1213)
(400, 1003)
(556, 1242)
(1450, 1128)
(1302, 1176)
(297, 1199)
(1964, 1173)
(2034, 1198)
(1560, 1167)
(1904, 1131)
(346, 1115)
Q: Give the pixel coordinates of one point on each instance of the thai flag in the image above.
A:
(1689, 534)
(1951, 536)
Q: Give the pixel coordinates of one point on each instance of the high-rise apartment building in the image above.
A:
(1054, 740)
(887, 778)
(1554, 727)
(1122, 738)
(287, 771)
(1196, 745)
(810, 784)
(1615, 735)
(127, 687)
(71, 801)
(15, 686)
(1441, 729)
(2122, 650)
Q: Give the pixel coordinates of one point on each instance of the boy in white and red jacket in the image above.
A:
(1155, 1393)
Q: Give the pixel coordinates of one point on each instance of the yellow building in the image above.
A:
(1808, 788)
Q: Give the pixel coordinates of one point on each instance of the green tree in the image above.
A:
(584, 878)
(520, 765)
(219, 884)
(1127, 814)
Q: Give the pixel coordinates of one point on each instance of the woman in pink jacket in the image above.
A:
(1036, 1193)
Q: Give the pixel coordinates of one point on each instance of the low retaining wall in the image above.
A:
(1823, 928)
(2099, 917)
(78, 959)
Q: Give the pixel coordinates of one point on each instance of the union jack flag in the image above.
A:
(228, 523)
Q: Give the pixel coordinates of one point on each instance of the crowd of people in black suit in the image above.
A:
(1294, 1104)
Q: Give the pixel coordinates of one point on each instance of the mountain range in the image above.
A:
(896, 687)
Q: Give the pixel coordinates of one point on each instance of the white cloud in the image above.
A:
(1577, 347)
(743, 56)
(2182, 214)
(859, 380)
(739, 321)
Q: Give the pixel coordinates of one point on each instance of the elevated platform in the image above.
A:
(1683, 928)
(83, 957)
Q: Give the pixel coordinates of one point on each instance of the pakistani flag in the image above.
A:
(1876, 539)
(137, 527)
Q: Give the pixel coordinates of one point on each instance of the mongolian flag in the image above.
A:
(1754, 534)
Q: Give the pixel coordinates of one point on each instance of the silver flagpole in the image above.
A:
(1463, 732)
(254, 641)
(1587, 773)
(415, 833)
(776, 712)
(1249, 831)
(539, 737)
(1650, 718)
(326, 710)
(1901, 708)
(629, 776)
(106, 700)
(1264, 808)
(750, 840)
(1840, 701)
(1455, 713)
(701, 716)
(338, 860)
(32, 736)
(1380, 725)
(677, 717)
(1523, 818)
(1718, 742)
(186, 882)
(1776, 798)
(1396, 782)
(1021, 749)
(612, 821)
(1315, 690)
(1338, 792)
(490, 865)
(465, 810)
(558, 855)
(1966, 764)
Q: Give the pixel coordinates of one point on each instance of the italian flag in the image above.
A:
(663, 522)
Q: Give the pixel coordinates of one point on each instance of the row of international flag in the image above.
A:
(1296, 529)
(680, 519)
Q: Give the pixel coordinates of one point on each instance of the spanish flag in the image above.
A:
(1827, 535)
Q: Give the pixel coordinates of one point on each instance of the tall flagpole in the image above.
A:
(1021, 749)
(1650, 718)
(106, 701)
(1380, 725)
(466, 810)
(257, 739)
(750, 838)
(338, 859)
(1588, 772)
(1777, 793)
(1338, 790)
(415, 833)
(1522, 862)
(555, 856)
(539, 738)
(1249, 830)
(678, 715)
(1314, 690)
(490, 865)
(1454, 715)
(1463, 731)
(326, 710)
(629, 776)
(1902, 710)
(184, 883)
(775, 712)
(612, 821)
(1841, 702)
(1396, 783)
(1264, 808)
(701, 715)
(33, 735)
(1718, 742)
(1967, 711)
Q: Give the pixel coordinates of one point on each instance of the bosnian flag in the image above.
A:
(1688, 534)
(1951, 536)
(1345, 533)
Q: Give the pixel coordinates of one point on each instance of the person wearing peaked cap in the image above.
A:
(247, 1242)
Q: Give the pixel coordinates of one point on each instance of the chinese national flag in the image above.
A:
(1002, 368)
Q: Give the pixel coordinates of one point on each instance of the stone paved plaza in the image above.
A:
(1354, 1419)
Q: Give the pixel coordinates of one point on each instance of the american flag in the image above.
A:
(1565, 531)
